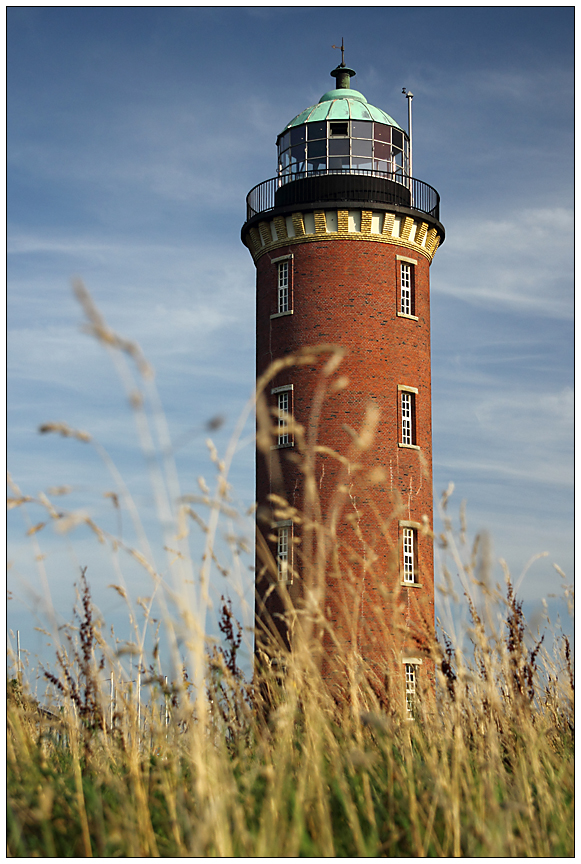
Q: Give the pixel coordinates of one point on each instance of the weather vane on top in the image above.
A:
(342, 51)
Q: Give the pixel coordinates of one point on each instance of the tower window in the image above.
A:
(406, 289)
(283, 415)
(410, 689)
(283, 301)
(339, 128)
(282, 553)
(409, 543)
(408, 417)
(406, 299)
(283, 304)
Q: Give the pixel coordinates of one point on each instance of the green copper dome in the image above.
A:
(342, 104)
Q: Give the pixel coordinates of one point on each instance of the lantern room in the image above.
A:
(343, 133)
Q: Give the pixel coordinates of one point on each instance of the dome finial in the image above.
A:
(342, 73)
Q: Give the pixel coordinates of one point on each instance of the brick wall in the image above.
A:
(347, 293)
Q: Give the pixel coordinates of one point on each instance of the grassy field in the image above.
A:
(488, 773)
(209, 763)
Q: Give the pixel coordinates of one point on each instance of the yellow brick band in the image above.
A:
(388, 223)
(280, 225)
(320, 222)
(255, 237)
(431, 239)
(343, 221)
(366, 221)
(264, 229)
(421, 233)
(298, 224)
(425, 241)
(406, 228)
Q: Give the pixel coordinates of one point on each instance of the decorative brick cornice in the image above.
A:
(406, 228)
(342, 221)
(421, 233)
(280, 224)
(396, 232)
(264, 228)
(366, 221)
(299, 226)
(320, 222)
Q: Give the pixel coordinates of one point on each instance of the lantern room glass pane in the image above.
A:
(361, 129)
(382, 150)
(382, 132)
(297, 134)
(380, 166)
(317, 164)
(284, 141)
(336, 162)
(298, 167)
(297, 153)
(397, 138)
(339, 147)
(361, 164)
(317, 148)
(316, 130)
(361, 148)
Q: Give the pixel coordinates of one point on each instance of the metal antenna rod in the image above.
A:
(409, 96)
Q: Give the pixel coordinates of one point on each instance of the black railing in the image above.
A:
(347, 185)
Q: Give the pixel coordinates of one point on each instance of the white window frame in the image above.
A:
(283, 553)
(406, 284)
(407, 415)
(284, 269)
(407, 407)
(411, 684)
(409, 562)
(283, 287)
(284, 406)
(409, 554)
(411, 669)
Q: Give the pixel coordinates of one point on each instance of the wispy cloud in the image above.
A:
(521, 259)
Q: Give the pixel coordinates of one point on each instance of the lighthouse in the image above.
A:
(342, 239)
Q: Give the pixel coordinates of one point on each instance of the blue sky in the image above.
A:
(134, 135)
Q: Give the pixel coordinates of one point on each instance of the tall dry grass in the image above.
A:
(208, 763)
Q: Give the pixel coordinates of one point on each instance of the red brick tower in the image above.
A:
(342, 239)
